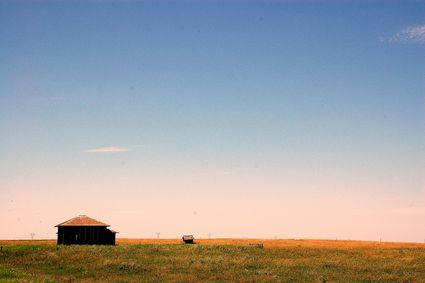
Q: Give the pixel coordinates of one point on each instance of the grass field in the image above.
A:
(215, 260)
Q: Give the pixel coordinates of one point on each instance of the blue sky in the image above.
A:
(194, 105)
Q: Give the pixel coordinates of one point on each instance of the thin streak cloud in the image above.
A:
(412, 34)
(107, 149)
(212, 174)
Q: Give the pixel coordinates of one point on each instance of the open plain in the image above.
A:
(213, 260)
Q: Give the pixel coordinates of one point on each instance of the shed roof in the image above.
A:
(82, 220)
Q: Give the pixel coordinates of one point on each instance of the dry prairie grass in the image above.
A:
(27, 242)
(277, 243)
(213, 260)
(268, 243)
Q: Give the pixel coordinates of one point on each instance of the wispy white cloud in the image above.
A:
(413, 34)
(107, 149)
(212, 173)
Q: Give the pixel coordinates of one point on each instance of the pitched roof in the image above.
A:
(82, 220)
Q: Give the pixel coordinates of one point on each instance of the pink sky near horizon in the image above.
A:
(220, 213)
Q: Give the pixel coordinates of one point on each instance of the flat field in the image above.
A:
(213, 260)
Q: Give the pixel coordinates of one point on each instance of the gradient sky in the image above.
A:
(289, 119)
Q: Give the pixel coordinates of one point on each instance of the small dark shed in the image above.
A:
(188, 239)
(83, 230)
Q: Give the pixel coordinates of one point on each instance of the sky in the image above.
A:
(268, 119)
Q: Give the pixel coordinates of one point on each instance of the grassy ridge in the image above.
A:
(207, 262)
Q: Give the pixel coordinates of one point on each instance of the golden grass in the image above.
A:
(27, 242)
(268, 243)
(277, 243)
(213, 260)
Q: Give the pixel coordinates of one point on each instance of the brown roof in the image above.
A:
(82, 220)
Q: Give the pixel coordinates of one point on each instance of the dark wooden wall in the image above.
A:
(85, 235)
